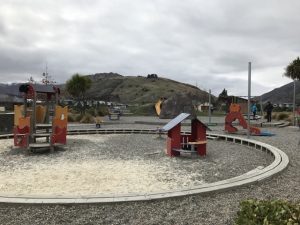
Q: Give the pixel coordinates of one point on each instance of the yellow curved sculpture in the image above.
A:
(158, 107)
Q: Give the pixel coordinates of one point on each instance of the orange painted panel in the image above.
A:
(235, 107)
(24, 122)
(61, 112)
(59, 123)
(18, 109)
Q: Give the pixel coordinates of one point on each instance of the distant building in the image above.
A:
(9, 101)
(204, 107)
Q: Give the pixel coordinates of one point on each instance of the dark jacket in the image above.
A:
(269, 107)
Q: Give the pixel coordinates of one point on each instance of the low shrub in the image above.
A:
(72, 110)
(254, 212)
(87, 118)
(102, 111)
(71, 117)
(282, 116)
(92, 111)
(78, 117)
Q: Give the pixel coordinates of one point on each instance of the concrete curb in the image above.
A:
(280, 162)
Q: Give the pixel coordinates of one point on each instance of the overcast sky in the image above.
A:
(208, 43)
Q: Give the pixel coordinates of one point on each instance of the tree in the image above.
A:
(223, 96)
(293, 70)
(77, 86)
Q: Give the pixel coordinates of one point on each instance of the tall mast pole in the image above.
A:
(249, 97)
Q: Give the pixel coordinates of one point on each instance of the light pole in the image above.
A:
(209, 107)
(249, 96)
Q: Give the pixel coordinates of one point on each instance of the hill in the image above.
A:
(142, 90)
(9, 89)
(139, 89)
(126, 89)
(283, 94)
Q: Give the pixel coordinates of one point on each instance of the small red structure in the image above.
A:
(185, 143)
(235, 114)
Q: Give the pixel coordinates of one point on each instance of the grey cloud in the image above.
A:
(189, 41)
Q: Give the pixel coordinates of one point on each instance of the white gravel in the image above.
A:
(119, 164)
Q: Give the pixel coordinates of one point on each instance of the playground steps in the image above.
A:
(43, 145)
(41, 135)
(39, 145)
(184, 151)
(43, 126)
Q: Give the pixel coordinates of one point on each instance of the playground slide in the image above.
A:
(232, 116)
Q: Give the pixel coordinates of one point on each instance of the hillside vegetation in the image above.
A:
(139, 89)
(283, 94)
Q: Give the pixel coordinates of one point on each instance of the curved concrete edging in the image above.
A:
(280, 163)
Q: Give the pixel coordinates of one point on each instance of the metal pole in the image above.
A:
(261, 108)
(294, 104)
(249, 96)
(209, 108)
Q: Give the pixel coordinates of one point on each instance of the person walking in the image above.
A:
(254, 110)
(269, 109)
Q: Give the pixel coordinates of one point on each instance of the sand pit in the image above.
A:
(119, 164)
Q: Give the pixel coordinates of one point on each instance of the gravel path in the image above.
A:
(218, 208)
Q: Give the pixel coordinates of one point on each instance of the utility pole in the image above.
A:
(209, 107)
(249, 96)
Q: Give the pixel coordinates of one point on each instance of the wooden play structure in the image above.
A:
(235, 114)
(178, 143)
(40, 126)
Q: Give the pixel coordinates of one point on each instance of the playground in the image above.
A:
(182, 162)
(137, 163)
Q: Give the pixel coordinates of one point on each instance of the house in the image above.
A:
(178, 143)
